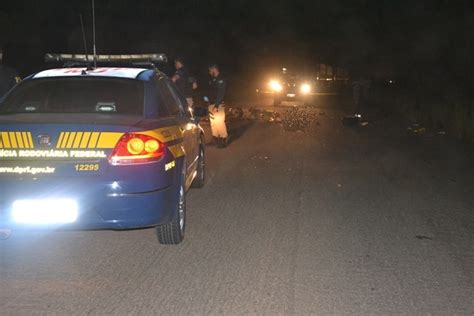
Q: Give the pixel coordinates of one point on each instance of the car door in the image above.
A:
(190, 129)
(176, 109)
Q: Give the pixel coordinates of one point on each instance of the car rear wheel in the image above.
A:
(276, 101)
(201, 170)
(173, 233)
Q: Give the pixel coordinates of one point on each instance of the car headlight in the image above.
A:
(305, 88)
(275, 86)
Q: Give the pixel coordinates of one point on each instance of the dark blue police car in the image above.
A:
(98, 148)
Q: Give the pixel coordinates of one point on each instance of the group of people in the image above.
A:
(215, 97)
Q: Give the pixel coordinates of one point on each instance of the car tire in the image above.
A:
(173, 233)
(199, 181)
(276, 101)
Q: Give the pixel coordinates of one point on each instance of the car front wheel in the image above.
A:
(199, 180)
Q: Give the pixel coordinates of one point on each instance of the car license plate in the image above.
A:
(44, 211)
(291, 95)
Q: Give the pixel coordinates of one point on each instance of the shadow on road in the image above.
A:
(237, 128)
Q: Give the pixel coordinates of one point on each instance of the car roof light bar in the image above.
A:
(123, 58)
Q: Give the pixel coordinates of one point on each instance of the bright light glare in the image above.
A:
(115, 185)
(275, 86)
(45, 212)
(305, 88)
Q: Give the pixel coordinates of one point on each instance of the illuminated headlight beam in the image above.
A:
(44, 211)
(305, 88)
(275, 86)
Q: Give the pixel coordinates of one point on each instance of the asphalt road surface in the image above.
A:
(332, 220)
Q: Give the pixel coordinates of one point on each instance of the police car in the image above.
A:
(98, 148)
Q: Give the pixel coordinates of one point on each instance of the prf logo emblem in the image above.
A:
(44, 140)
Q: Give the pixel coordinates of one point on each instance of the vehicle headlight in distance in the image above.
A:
(305, 88)
(275, 86)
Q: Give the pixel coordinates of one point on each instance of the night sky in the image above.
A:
(421, 40)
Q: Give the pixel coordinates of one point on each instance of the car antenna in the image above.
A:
(84, 42)
(93, 34)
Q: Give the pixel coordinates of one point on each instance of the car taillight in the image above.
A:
(136, 149)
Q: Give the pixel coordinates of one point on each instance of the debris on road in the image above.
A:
(275, 117)
(416, 128)
(254, 113)
(263, 158)
(420, 130)
(299, 119)
(421, 237)
(235, 112)
(350, 120)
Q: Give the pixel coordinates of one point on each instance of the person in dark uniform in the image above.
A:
(183, 81)
(8, 77)
(217, 89)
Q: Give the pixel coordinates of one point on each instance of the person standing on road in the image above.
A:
(217, 89)
(8, 77)
(183, 81)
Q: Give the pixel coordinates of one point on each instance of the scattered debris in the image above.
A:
(351, 120)
(275, 117)
(423, 237)
(416, 128)
(299, 119)
(236, 112)
(263, 158)
(420, 130)
(254, 113)
(267, 115)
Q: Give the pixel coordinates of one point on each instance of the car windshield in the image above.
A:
(76, 95)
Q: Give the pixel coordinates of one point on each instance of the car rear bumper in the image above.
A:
(102, 209)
